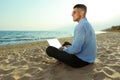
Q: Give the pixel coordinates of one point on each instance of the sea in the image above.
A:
(20, 37)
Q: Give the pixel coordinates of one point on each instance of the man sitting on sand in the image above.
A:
(82, 51)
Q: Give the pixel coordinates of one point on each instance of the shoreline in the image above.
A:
(96, 32)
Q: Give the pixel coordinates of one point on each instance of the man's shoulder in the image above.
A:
(84, 22)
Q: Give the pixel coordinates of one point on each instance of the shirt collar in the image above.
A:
(82, 19)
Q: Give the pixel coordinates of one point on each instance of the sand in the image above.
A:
(29, 62)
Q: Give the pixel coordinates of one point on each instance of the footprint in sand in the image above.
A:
(107, 72)
(99, 76)
(116, 68)
(111, 73)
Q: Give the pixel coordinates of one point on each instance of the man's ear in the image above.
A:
(82, 12)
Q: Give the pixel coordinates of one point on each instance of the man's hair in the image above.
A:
(81, 6)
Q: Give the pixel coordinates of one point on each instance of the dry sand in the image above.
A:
(29, 62)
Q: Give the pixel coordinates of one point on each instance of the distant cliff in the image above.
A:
(113, 28)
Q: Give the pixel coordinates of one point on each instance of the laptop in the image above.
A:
(54, 43)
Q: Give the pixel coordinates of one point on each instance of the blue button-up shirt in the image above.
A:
(84, 42)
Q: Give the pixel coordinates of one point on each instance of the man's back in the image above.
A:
(84, 42)
(88, 51)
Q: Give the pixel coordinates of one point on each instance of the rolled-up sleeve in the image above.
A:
(78, 40)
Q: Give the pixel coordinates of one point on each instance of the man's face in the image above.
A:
(76, 14)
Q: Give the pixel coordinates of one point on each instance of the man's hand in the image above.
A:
(61, 48)
(67, 46)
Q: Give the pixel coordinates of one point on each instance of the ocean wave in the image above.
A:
(11, 37)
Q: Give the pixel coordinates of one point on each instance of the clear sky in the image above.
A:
(55, 14)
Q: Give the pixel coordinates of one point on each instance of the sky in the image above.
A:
(56, 14)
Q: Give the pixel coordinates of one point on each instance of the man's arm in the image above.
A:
(78, 40)
(65, 45)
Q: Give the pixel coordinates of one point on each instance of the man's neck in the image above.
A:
(80, 19)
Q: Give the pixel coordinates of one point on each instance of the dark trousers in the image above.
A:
(65, 57)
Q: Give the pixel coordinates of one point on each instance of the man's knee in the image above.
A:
(49, 50)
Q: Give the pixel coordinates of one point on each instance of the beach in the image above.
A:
(29, 61)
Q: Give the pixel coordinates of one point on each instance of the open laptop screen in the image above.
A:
(54, 43)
